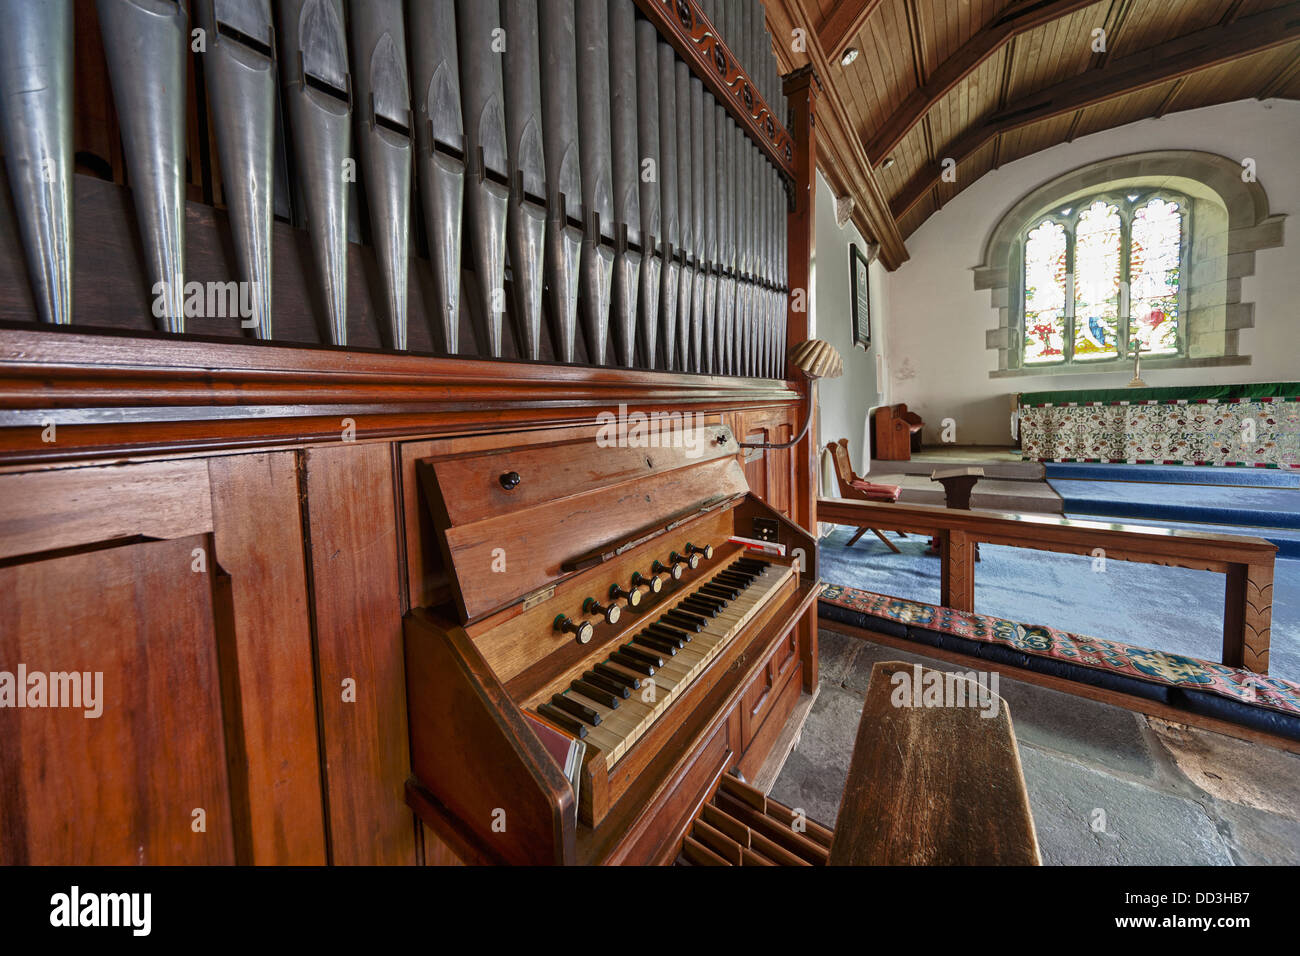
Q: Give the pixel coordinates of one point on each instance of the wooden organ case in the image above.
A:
(600, 586)
(271, 530)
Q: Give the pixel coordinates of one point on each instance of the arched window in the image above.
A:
(1102, 273)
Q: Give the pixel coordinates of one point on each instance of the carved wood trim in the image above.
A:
(685, 27)
(149, 394)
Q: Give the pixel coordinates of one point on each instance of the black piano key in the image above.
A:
(710, 599)
(691, 616)
(607, 683)
(752, 564)
(721, 591)
(735, 580)
(632, 663)
(679, 619)
(562, 720)
(700, 607)
(581, 711)
(643, 654)
(669, 633)
(616, 675)
(655, 644)
(598, 694)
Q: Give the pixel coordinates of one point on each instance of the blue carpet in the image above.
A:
(1208, 504)
(1177, 474)
(1286, 539)
(1170, 609)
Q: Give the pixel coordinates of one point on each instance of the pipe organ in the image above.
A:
(582, 194)
(383, 386)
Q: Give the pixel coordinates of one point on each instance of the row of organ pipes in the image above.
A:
(560, 144)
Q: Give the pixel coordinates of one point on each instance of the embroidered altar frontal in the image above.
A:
(1255, 425)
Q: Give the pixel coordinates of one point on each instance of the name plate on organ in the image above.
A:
(622, 614)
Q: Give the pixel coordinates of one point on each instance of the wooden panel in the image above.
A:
(427, 581)
(436, 852)
(356, 599)
(258, 534)
(761, 696)
(472, 491)
(688, 792)
(44, 511)
(475, 753)
(120, 788)
(784, 698)
(538, 541)
(932, 785)
(771, 473)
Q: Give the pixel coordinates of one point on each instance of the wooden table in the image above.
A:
(933, 785)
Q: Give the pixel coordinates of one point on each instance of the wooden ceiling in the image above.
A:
(986, 82)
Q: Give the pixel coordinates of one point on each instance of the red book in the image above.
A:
(567, 751)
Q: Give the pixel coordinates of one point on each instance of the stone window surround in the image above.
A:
(1250, 227)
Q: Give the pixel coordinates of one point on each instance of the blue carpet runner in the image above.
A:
(1262, 502)
(1177, 474)
(1208, 504)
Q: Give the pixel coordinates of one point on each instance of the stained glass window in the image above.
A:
(1045, 293)
(1154, 274)
(1103, 275)
(1096, 282)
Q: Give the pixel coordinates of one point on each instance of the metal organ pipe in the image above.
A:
(36, 133)
(571, 169)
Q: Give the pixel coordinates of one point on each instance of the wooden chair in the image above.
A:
(853, 486)
(897, 432)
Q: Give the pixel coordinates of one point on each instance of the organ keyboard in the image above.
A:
(638, 623)
(612, 704)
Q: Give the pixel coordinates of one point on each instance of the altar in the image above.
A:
(1251, 425)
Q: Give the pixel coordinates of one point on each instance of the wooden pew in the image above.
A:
(933, 786)
(897, 432)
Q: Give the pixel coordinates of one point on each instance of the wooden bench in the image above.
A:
(933, 785)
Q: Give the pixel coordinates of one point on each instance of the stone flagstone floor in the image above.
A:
(1172, 795)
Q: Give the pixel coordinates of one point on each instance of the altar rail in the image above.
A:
(1247, 562)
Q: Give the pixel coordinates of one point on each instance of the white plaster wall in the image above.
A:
(935, 319)
(844, 402)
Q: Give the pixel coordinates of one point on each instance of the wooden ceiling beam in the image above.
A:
(839, 149)
(1166, 61)
(842, 24)
(1015, 20)
(1280, 79)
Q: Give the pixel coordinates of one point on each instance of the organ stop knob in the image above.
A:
(693, 560)
(583, 630)
(706, 551)
(676, 570)
(609, 612)
(632, 596)
(654, 582)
